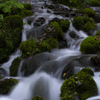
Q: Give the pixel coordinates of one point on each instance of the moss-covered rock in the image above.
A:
(78, 86)
(6, 85)
(64, 24)
(90, 45)
(94, 3)
(89, 12)
(37, 98)
(14, 66)
(12, 22)
(27, 6)
(52, 42)
(78, 22)
(98, 32)
(54, 31)
(27, 13)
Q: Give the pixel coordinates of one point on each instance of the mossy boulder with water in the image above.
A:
(6, 85)
(27, 6)
(54, 31)
(14, 66)
(64, 24)
(37, 98)
(89, 12)
(77, 86)
(10, 35)
(90, 45)
(83, 23)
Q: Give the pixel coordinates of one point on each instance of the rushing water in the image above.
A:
(42, 83)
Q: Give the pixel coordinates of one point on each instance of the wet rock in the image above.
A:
(3, 73)
(39, 21)
(63, 44)
(35, 61)
(72, 34)
(97, 18)
(29, 20)
(36, 32)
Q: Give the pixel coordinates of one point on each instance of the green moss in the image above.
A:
(14, 66)
(89, 12)
(21, 14)
(78, 22)
(87, 71)
(78, 84)
(6, 85)
(54, 31)
(12, 22)
(37, 98)
(90, 45)
(94, 3)
(64, 24)
(98, 32)
(67, 97)
(52, 42)
(27, 6)
(27, 13)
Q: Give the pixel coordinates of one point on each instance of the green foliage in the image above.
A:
(6, 85)
(79, 84)
(90, 45)
(64, 24)
(78, 22)
(89, 12)
(54, 31)
(14, 66)
(94, 3)
(86, 2)
(52, 42)
(27, 6)
(37, 98)
(98, 32)
(7, 6)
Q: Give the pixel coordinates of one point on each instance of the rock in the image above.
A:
(97, 18)
(29, 19)
(39, 21)
(63, 44)
(72, 34)
(3, 73)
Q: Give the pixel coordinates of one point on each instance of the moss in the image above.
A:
(21, 14)
(6, 85)
(27, 13)
(78, 22)
(87, 71)
(12, 22)
(94, 3)
(64, 24)
(98, 32)
(90, 45)
(37, 98)
(33, 46)
(27, 6)
(78, 84)
(14, 66)
(54, 31)
(67, 97)
(89, 12)
(52, 42)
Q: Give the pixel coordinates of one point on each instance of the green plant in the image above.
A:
(98, 32)
(94, 3)
(37, 98)
(27, 6)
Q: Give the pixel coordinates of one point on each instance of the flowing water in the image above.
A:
(46, 84)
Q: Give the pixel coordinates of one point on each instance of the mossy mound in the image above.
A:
(83, 23)
(71, 3)
(10, 35)
(89, 12)
(78, 86)
(6, 85)
(94, 3)
(31, 47)
(98, 32)
(90, 45)
(27, 12)
(14, 66)
(27, 6)
(37, 98)
(54, 31)
(64, 24)
(12, 22)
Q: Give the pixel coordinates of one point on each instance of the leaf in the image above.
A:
(18, 5)
(1, 16)
(6, 9)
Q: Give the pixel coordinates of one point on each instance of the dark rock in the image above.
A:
(72, 34)
(3, 73)
(29, 20)
(63, 44)
(55, 20)
(39, 21)
(97, 18)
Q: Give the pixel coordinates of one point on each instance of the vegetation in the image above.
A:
(98, 32)
(90, 45)
(94, 3)
(27, 6)
(37, 98)
(14, 66)
(78, 85)
(6, 85)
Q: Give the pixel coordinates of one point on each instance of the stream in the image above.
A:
(46, 80)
